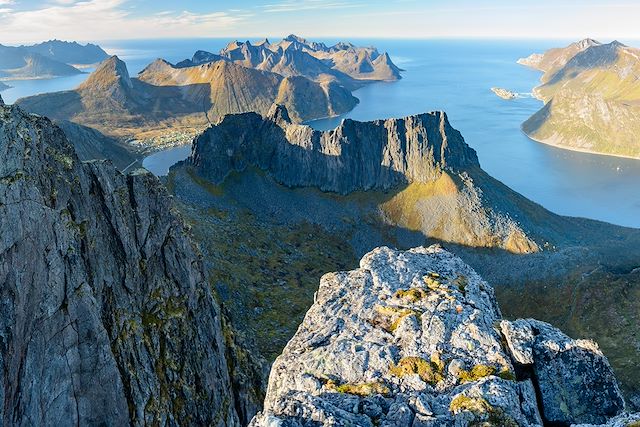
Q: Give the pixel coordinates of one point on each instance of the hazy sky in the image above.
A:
(32, 20)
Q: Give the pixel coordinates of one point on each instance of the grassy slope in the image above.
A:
(267, 246)
(600, 304)
(594, 110)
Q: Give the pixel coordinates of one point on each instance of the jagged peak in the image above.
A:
(294, 38)
(279, 114)
(112, 71)
(617, 44)
(429, 146)
(587, 42)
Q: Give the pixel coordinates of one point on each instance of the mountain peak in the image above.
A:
(294, 38)
(587, 42)
(111, 72)
(617, 44)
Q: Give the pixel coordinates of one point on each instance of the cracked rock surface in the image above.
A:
(416, 338)
(105, 314)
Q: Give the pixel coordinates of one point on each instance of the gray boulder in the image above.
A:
(574, 379)
(416, 338)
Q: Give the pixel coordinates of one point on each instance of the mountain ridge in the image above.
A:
(175, 103)
(50, 59)
(592, 100)
(127, 304)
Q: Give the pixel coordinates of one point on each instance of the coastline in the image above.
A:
(579, 150)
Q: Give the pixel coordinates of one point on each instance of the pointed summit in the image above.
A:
(109, 74)
(279, 114)
(586, 43)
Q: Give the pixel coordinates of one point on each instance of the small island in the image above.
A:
(504, 93)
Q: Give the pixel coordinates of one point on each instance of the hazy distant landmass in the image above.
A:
(591, 93)
(168, 104)
(54, 58)
(4, 86)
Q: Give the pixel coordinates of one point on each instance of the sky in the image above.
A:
(24, 21)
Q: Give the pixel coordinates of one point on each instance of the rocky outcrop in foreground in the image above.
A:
(416, 339)
(106, 316)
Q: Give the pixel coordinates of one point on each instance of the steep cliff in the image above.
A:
(355, 156)
(416, 339)
(441, 190)
(106, 316)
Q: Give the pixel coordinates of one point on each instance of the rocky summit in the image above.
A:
(416, 338)
(355, 156)
(106, 316)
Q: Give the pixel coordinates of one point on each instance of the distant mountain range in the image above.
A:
(294, 56)
(591, 93)
(54, 58)
(169, 104)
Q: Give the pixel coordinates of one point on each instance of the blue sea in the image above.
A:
(455, 76)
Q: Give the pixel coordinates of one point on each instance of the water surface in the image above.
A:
(455, 76)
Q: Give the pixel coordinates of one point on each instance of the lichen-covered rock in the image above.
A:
(106, 317)
(574, 379)
(411, 339)
(408, 339)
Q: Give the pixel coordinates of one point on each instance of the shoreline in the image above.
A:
(578, 150)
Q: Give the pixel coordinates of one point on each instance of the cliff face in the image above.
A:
(106, 315)
(591, 100)
(416, 339)
(356, 156)
(438, 186)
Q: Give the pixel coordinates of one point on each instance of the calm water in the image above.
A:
(454, 76)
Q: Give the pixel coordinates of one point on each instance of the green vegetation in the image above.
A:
(600, 305)
(363, 389)
(411, 295)
(265, 274)
(391, 317)
(476, 373)
(486, 415)
(430, 372)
